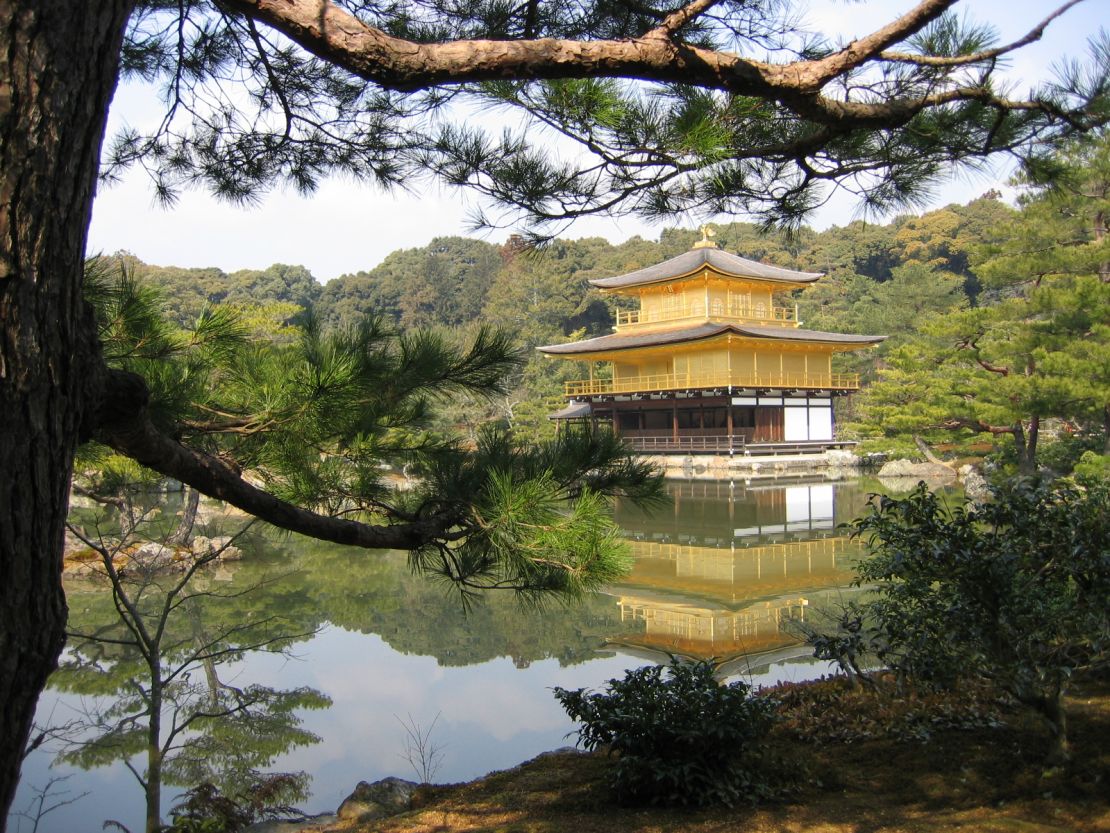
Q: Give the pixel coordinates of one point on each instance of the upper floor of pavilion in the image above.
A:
(706, 284)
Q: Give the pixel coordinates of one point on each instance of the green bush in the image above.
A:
(679, 736)
(1093, 468)
(1063, 453)
(1015, 592)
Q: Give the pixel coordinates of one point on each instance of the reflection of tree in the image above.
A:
(154, 656)
(414, 616)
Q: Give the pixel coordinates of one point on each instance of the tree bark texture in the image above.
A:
(334, 34)
(183, 535)
(58, 70)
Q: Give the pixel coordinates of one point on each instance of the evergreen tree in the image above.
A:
(1041, 347)
(742, 112)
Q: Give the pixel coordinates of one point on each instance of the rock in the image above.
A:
(220, 542)
(838, 458)
(155, 556)
(917, 471)
(387, 797)
(975, 485)
(231, 554)
(874, 459)
(201, 546)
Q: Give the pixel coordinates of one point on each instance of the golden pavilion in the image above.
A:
(713, 361)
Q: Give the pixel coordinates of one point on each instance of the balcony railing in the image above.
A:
(690, 381)
(756, 314)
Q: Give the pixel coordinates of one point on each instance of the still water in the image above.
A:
(718, 572)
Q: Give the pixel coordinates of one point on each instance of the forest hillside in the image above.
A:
(938, 285)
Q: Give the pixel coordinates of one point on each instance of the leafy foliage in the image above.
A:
(1035, 346)
(680, 737)
(325, 418)
(885, 125)
(205, 809)
(1013, 591)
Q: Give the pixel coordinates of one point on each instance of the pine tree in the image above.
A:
(1038, 346)
(739, 111)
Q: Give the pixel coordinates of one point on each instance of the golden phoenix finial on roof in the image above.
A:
(706, 232)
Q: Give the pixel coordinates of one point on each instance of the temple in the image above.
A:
(713, 360)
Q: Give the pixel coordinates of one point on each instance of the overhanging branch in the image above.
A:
(337, 36)
(130, 432)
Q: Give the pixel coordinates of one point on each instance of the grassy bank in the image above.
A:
(876, 764)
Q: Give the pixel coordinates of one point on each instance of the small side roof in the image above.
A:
(690, 262)
(573, 410)
(618, 341)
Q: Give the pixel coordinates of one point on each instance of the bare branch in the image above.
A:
(1032, 36)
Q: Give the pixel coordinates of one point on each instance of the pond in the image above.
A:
(719, 572)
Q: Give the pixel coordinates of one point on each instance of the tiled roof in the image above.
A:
(689, 262)
(573, 410)
(619, 341)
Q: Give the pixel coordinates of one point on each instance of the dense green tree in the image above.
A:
(1013, 591)
(1057, 256)
(859, 248)
(189, 291)
(444, 283)
(898, 306)
(947, 239)
(999, 370)
(745, 112)
(1037, 347)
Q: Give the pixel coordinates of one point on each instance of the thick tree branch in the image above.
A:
(676, 20)
(130, 432)
(337, 36)
(980, 426)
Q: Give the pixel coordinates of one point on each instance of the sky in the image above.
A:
(346, 227)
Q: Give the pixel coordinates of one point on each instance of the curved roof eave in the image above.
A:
(616, 341)
(688, 263)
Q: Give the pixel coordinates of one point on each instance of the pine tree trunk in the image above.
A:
(1106, 430)
(1059, 752)
(1025, 446)
(1032, 436)
(58, 71)
(183, 535)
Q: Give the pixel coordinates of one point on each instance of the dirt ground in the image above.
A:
(988, 778)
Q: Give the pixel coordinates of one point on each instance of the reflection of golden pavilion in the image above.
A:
(703, 631)
(722, 573)
(733, 574)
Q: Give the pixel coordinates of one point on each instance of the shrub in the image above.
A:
(679, 736)
(1014, 592)
(205, 809)
(1093, 468)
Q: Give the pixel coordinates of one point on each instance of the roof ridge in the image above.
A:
(689, 262)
